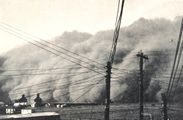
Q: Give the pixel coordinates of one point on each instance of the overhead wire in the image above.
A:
(59, 88)
(67, 93)
(34, 37)
(177, 57)
(47, 73)
(45, 41)
(91, 87)
(41, 69)
(43, 47)
(116, 31)
(179, 77)
(177, 83)
(70, 83)
(118, 24)
(176, 69)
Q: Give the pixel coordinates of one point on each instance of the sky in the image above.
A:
(50, 18)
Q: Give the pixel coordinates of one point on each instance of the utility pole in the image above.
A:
(164, 99)
(141, 86)
(111, 57)
(108, 85)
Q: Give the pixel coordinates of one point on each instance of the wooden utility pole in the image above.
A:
(111, 57)
(164, 99)
(141, 86)
(108, 85)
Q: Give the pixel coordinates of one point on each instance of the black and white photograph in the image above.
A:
(91, 60)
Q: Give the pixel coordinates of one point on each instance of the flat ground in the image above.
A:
(117, 112)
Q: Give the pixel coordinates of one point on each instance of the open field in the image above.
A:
(118, 112)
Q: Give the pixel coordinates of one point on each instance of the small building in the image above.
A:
(26, 111)
(32, 116)
(10, 110)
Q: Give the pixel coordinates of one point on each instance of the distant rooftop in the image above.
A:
(31, 115)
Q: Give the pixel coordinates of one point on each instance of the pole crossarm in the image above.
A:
(140, 54)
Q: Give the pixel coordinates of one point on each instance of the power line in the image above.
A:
(41, 44)
(43, 40)
(55, 45)
(116, 31)
(178, 81)
(60, 88)
(16, 75)
(40, 69)
(177, 67)
(70, 83)
(53, 52)
(76, 90)
(78, 55)
(178, 53)
(92, 86)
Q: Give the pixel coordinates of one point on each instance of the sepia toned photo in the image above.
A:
(91, 60)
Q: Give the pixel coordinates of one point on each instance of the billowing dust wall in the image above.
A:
(30, 70)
